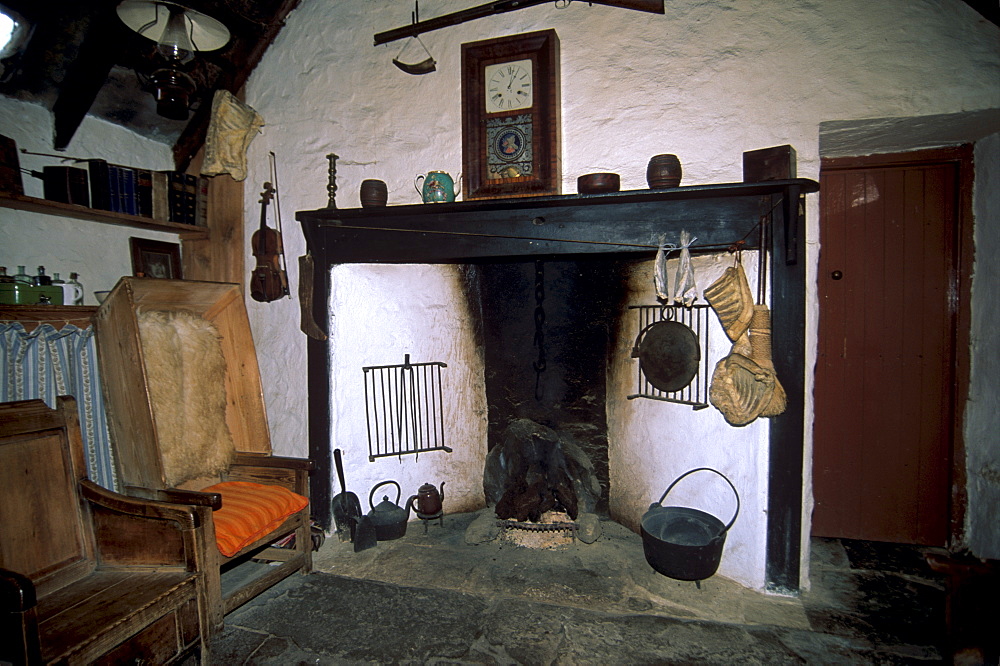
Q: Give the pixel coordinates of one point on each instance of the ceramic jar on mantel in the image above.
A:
(374, 193)
(663, 171)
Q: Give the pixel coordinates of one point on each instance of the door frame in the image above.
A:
(961, 288)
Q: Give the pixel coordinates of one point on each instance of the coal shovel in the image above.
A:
(364, 535)
(345, 506)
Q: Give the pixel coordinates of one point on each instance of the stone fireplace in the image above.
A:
(548, 356)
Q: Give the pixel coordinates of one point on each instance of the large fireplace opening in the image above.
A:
(546, 328)
(501, 240)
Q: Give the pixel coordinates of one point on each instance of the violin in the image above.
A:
(268, 281)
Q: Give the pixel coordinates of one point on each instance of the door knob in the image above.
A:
(836, 275)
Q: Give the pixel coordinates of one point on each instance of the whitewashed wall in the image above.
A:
(100, 253)
(706, 81)
(652, 443)
(381, 314)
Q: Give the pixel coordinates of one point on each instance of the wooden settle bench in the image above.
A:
(88, 575)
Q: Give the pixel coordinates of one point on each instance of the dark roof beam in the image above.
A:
(86, 77)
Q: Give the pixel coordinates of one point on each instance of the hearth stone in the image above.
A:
(588, 527)
(535, 459)
(482, 530)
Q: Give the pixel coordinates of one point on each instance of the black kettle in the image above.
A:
(388, 518)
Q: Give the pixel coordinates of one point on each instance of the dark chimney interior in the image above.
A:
(546, 327)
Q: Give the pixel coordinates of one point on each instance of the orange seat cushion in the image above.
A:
(250, 511)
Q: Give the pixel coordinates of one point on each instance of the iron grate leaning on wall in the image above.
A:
(404, 408)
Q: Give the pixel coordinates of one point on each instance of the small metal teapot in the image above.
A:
(428, 501)
(388, 518)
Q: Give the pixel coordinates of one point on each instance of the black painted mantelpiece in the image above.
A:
(467, 232)
(563, 227)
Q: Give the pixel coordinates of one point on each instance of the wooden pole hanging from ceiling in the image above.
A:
(499, 7)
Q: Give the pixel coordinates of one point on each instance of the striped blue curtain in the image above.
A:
(46, 363)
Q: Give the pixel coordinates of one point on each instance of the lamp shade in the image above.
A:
(152, 19)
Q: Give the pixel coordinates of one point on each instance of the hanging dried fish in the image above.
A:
(685, 291)
(660, 271)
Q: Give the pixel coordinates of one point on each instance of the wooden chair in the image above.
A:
(88, 575)
(147, 440)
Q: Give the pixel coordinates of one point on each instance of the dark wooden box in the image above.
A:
(775, 163)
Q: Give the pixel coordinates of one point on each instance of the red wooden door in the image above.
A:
(884, 394)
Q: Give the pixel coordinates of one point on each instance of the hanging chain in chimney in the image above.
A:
(539, 341)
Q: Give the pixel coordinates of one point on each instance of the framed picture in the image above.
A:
(511, 116)
(155, 259)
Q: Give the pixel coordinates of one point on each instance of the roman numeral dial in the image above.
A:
(508, 86)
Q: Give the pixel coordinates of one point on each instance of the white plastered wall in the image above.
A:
(982, 415)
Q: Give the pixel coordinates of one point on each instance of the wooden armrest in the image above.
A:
(196, 497)
(263, 460)
(17, 592)
(135, 506)
(19, 642)
(177, 496)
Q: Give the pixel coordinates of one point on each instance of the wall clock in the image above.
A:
(510, 116)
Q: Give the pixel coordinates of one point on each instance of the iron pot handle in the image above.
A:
(706, 469)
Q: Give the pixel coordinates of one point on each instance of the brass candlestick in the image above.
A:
(331, 187)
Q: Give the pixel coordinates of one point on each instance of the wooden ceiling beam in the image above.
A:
(86, 77)
(246, 52)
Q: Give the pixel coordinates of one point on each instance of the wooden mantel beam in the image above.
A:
(464, 232)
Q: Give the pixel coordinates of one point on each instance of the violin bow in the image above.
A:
(277, 216)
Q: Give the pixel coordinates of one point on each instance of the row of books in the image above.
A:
(173, 196)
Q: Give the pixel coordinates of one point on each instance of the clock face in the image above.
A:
(509, 86)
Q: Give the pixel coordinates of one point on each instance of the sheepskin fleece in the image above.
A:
(187, 387)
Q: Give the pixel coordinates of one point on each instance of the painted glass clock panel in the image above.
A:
(509, 86)
(509, 152)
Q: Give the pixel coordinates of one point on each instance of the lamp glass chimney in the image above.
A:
(175, 43)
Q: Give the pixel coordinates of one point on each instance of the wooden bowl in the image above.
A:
(598, 183)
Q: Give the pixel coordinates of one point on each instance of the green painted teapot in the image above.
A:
(438, 187)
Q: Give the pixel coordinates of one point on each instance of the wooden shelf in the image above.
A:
(57, 315)
(44, 206)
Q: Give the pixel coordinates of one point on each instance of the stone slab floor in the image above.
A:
(430, 598)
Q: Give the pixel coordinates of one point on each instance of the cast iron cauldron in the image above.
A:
(684, 543)
(388, 518)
